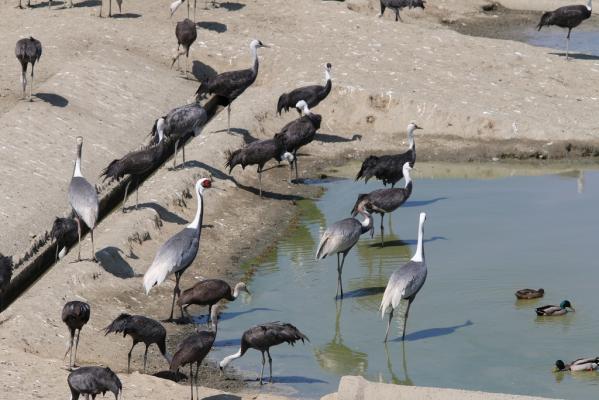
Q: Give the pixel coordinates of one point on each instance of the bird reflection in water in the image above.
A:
(394, 378)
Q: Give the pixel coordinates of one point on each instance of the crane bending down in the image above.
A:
(75, 314)
(93, 381)
(84, 200)
(232, 84)
(177, 253)
(28, 51)
(567, 17)
(340, 237)
(312, 94)
(262, 337)
(405, 282)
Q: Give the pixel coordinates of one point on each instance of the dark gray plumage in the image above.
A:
(64, 231)
(566, 17)
(384, 201)
(262, 337)
(405, 282)
(5, 273)
(186, 34)
(232, 84)
(75, 314)
(340, 237)
(389, 168)
(93, 381)
(142, 330)
(397, 5)
(259, 153)
(84, 200)
(312, 94)
(28, 51)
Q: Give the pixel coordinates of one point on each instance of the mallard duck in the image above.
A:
(581, 364)
(555, 310)
(530, 293)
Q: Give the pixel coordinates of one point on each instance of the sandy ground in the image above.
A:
(108, 79)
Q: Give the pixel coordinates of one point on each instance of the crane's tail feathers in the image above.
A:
(113, 170)
(233, 159)
(282, 103)
(320, 252)
(154, 276)
(391, 298)
(368, 168)
(120, 324)
(544, 20)
(359, 203)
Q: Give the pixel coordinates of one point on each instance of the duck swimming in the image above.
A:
(580, 364)
(530, 293)
(555, 310)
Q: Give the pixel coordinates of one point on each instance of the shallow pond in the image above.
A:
(584, 44)
(483, 240)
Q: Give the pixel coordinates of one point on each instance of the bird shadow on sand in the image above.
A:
(231, 6)
(222, 397)
(432, 332)
(212, 26)
(86, 3)
(164, 214)
(267, 194)
(407, 242)
(171, 376)
(213, 171)
(328, 138)
(577, 56)
(363, 292)
(111, 260)
(126, 15)
(45, 4)
(202, 71)
(422, 203)
(54, 99)
(247, 136)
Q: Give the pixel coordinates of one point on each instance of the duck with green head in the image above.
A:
(580, 364)
(551, 310)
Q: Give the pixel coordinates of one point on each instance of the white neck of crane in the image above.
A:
(327, 75)
(590, 5)
(195, 224)
(230, 358)
(419, 255)
(411, 138)
(254, 50)
(407, 177)
(77, 171)
(236, 291)
(366, 222)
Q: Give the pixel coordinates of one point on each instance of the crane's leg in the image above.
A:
(76, 347)
(70, 349)
(382, 231)
(229, 118)
(197, 369)
(260, 180)
(129, 357)
(388, 325)
(94, 259)
(269, 364)
(126, 191)
(177, 277)
(145, 358)
(295, 162)
(405, 319)
(183, 150)
(79, 233)
(209, 315)
(568, 44)
(109, 8)
(175, 156)
(194, 11)
(31, 83)
(188, 17)
(290, 171)
(262, 372)
(24, 78)
(191, 376)
(136, 194)
(338, 272)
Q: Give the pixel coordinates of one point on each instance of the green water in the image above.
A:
(483, 240)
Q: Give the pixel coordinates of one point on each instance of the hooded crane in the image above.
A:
(567, 17)
(142, 330)
(208, 292)
(177, 253)
(75, 314)
(194, 348)
(232, 84)
(301, 131)
(397, 5)
(137, 163)
(64, 231)
(405, 282)
(262, 337)
(5, 274)
(340, 237)
(28, 51)
(383, 201)
(389, 169)
(259, 153)
(179, 122)
(92, 381)
(84, 200)
(312, 95)
(186, 34)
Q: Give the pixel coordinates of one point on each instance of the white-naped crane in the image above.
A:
(75, 314)
(84, 200)
(28, 51)
(177, 253)
(259, 153)
(405, 282)
(340, 237)
(301, 131)
(398, 5)
(186, 34)
(136, 163)
(312, 94)
(232, 84)
(208, 292)
(384, 201)
(567, 17)
(92, 381)
(5, 273)
(262, 337)
(389, 168)
(142, 330)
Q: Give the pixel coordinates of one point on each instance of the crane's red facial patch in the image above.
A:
(207, 183)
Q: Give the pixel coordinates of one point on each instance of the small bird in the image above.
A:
(84, 200)
(383, 201)
(28, 51)
(567, 17)
(389, 168)
(262, 337)
(75, 314)
(92, 381)
(208, 292)
(186, 34)
(178, 253)
(64, 232)
(580, 364)
(312, 95)
(405, 282)
(141, 329)
(340, 237)
(523, 294)
(397, 5)
(552, 311)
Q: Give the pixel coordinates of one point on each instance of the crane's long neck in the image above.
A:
(411, 138)
(419, 255)
(197, 221)
(255, 59)
(407, 177)
(367, 223)
(590, 5)
(230, 358)
(236, 292)
(77, 170)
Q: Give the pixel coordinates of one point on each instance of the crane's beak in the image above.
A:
(266, 45)
(417, 127)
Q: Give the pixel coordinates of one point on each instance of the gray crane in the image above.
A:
(186, 34)
(28, 51)
(312, 94)
(567, 17)
(340, 237)
(141, 329)
(177, 253)
(75, 314)
(232, 84)
(405, 282)
(262, 337)
(91, 381)
(383, 201)
(84, 200)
